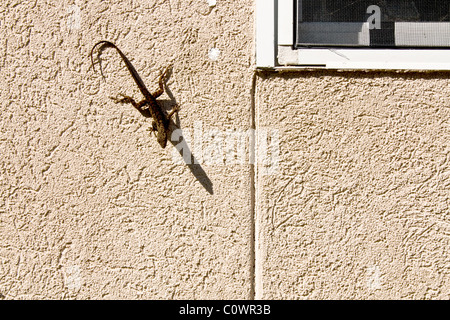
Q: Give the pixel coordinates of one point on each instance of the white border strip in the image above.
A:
(265, 33)
(285, 22)
(375, 59)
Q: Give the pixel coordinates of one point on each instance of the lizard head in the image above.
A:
(162, 139)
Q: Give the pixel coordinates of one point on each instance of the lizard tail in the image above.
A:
(104, 43)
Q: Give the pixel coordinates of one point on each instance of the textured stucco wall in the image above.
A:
(91, 207)
(360, 207)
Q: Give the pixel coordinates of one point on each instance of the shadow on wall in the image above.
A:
(193, 165)
(196, 169)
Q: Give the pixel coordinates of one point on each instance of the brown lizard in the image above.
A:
(161, 121)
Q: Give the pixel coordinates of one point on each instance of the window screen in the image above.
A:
(385, 23)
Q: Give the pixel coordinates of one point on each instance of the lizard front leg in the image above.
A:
(127, 99)
(137, 105)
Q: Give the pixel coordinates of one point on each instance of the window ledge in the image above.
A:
(385, 59)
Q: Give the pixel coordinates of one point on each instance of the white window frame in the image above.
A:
(274, 48)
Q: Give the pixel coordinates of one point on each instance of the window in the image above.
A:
(373, 23)
(354, 34)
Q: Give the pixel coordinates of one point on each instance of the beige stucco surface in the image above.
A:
(91, 207)
(360, 207)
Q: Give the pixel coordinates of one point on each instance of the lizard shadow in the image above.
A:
(182, 146)
(185, 152)
(176, 138)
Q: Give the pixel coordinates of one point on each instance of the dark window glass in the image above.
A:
(400, 23)
(392, 10)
